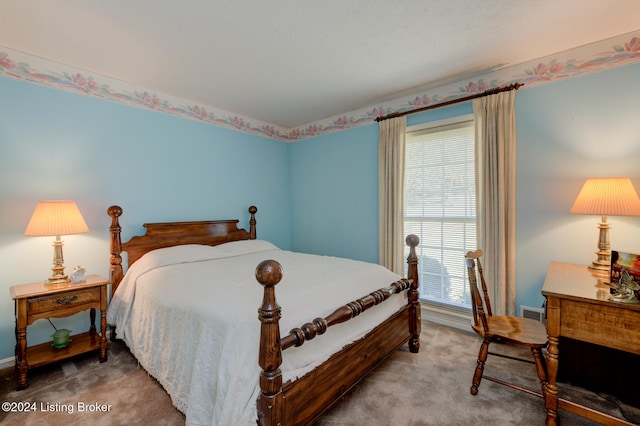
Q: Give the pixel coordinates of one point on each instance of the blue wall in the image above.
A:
(58, 145)
(567, 131)
(316, 196)
(334, 182)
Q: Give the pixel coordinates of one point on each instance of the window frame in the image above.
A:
(447, 313)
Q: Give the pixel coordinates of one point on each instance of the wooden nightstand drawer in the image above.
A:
(63, 300)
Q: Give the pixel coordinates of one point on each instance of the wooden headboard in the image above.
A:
(169, 234)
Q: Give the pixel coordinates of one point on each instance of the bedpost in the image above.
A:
(270, 402)
(252, 222)
(414, 304)
(115, 271)
(115, 248)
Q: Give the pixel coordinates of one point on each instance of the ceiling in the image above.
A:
(293, 62)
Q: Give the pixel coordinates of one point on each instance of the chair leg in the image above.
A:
(541, 368)
(482, 358)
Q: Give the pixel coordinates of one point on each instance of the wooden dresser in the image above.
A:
(578, 308)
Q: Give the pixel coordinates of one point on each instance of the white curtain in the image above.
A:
(390, 194)
(495, 137)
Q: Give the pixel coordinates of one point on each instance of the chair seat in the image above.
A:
(521, 331)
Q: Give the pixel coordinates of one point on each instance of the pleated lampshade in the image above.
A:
(53, 218)
(607, 197)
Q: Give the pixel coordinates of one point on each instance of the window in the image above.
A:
(440, 206)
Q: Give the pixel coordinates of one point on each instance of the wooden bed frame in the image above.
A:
(302, 401)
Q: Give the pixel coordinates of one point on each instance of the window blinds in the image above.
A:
(440, 207)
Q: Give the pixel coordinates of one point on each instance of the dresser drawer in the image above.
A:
(61, 300)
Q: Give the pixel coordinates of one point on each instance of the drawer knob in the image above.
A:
(66, 300)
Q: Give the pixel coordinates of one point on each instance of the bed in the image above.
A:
(186, 308)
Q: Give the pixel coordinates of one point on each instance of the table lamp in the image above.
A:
(606, 197)
(56, 218)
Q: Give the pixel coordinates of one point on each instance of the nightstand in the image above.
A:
(36, 300)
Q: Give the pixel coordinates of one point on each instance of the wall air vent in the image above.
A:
(533, 313)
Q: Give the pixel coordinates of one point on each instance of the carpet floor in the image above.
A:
(429, 388)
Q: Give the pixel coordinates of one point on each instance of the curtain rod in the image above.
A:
(515, 86)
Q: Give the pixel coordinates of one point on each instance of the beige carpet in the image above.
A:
(429, 388)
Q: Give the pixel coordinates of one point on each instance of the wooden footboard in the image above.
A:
(302, 401)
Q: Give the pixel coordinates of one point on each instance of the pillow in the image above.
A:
(236, 248)
(177, 254)
(196, 253)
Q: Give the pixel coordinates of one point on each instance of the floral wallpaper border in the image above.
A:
(595, 57)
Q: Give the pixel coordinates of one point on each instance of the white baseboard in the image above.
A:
(451, 317)
(7, 363)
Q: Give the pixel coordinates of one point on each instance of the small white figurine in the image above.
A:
(78, 274)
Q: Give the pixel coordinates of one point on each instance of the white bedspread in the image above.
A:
(189, 315)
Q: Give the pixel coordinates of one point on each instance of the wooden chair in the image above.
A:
(513, 330)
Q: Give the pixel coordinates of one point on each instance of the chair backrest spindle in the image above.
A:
(485, 291)
(480, 301)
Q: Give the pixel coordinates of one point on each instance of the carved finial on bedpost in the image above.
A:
(414, 304)
(270, 401)
(252, 222)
